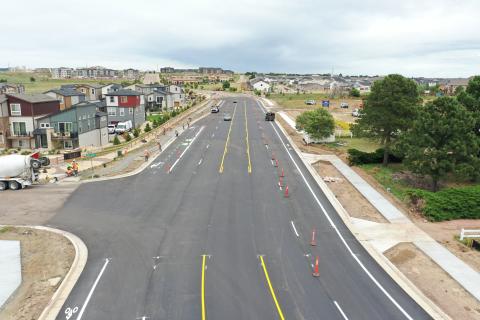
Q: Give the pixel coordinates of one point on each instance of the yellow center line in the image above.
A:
(227, 141)
(204, 315)
(280, 313)
(246, 138)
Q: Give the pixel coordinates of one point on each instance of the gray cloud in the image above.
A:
(430, 38)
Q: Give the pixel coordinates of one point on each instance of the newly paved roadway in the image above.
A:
(189, 244)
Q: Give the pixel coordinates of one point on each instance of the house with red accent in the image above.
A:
(24, 110)
(124, 105)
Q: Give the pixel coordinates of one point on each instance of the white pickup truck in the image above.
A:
(19, 171)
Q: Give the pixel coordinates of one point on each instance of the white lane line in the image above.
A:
(340, 309)
(89, 296)
(186, 149)
(375, 281)
(294, 229)
(200, 162)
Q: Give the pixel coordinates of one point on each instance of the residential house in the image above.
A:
(24, 110)
(124, 105)
(449, 86)
(82, 125)
(92, 91)
(7, 88)
(260, 85)
(3, 121)
(112, 87)
(163, 97)
(67, 96)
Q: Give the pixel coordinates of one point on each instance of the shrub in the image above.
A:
(116, 141)
(127, 136)
(136, 132)
(155, 123)
(448, 204)
(357, 157)
(147, 128)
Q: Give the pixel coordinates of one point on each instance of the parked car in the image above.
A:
(111, 128)
(227, 117)
(310, 102)
(356, 113)
(215, 110)
(344, 105)
(123, 126)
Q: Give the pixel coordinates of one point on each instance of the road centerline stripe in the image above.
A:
(227, 141)
(89, 296)
(204, 309)
(246, 139)
(272, 292)
(294, 229)
(340, 310)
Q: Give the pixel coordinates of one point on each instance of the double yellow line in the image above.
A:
(227, 141)
(246, 139)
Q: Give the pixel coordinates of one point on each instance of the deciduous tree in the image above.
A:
(317, 123)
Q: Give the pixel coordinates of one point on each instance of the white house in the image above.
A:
(260, 85)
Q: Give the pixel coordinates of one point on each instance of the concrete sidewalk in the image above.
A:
(403, 229)
(10, 269)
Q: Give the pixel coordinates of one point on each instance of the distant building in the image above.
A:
(167, 70)
(210, 70)
(8, 88)
(61, 73)
(67, 96)
(260, 85)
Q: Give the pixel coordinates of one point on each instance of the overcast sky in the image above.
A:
(415, 38)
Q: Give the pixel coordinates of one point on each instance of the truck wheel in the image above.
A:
(3, 186)
(35, 164)
(14, 185)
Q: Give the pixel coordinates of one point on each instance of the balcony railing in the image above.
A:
(64, 135)
(19, 135)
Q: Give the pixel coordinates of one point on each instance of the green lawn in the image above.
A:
(43, 82)
(385, 176)
(362, 144)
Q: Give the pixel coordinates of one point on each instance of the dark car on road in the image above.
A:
(270, 116)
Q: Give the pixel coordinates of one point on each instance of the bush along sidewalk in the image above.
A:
(357, 157)
(448, 204)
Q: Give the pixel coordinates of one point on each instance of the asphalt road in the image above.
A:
(150, 235)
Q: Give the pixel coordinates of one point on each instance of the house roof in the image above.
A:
(32, 98)
(3, 98)
(66, 92)
(73, 107)
(124, 92)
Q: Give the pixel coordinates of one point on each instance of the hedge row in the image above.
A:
(449, 204)
(357, 157)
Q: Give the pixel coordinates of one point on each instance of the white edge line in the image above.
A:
(294, 229)
(186, 149)
(89, 296)
(399, 307)
(340, 309)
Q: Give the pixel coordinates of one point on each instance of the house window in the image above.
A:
(88, 124)
(65, 127)
(44, 125)
(123, 99)
(61, 99)
(15, 109)
(1, 138)
(112, 111)
(67, 144)
(122, 112)
(20, 143)
(112, 99)
(130, 110)
(19, 128)
(93, 91)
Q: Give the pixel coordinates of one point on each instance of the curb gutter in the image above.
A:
(429, 306)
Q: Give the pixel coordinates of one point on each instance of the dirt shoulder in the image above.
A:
(46, 259)
(435, 283)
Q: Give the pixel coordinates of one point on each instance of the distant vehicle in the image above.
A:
(270, 116)
(310, 102)
(215, 110)
(326, 103)
(19, 171)
(123, 126)
(356, 113)
(234, 101)
(227, 117)
(111, 128)
(344, 105)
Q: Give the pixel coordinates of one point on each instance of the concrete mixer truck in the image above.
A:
(19, 171)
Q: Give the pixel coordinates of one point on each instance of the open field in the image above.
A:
(43, 82)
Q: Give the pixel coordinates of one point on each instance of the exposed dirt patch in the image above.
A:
(434, 282)
(34, 205)
(45, 256)
(352, 200)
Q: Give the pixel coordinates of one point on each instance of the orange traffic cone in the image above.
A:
(286, 192)
(276, 164)
(316, 272)
(282, 174)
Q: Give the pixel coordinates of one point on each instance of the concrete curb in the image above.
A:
(429, 306)
(53, 307)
